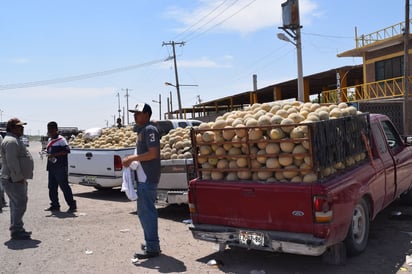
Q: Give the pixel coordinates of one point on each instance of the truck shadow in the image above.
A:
(113, 195)
(389, 244)
(174, 212)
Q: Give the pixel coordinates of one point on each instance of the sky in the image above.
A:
(75, 62)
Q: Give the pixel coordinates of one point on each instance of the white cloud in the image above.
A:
(205, 62)
(241, 17)
(20, 60)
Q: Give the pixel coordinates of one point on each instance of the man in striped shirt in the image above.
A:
(57, 166)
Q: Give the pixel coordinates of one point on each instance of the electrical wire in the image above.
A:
(221, 22)
(209, 21)
(202, 18)
(328, 36)
(80, 77)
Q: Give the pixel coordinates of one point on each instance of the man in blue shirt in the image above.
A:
(57, 166)
(148, 176)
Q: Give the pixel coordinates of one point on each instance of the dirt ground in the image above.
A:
(102, 236)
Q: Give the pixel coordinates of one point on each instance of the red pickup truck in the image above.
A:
(329, 216)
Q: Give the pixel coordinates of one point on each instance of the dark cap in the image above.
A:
(14, 122)
(142, 107)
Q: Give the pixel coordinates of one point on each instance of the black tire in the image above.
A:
(406, 198)
(357, 237)
(103, 188)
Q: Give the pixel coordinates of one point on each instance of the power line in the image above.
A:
(204, 17)
(210, 20)
(79, 77)
(222, 21)
(328, 36)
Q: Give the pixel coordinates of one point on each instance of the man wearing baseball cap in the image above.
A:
(16, 170)
(148, 175)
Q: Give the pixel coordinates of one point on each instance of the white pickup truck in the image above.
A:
(174, 181)
(99, 168)
(102, 168)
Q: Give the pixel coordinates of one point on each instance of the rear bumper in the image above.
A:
(274, 241)
(165, 196)
(95, 181)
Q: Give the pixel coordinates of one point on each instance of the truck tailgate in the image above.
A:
(95, 161)
(253, 205)
(174, 173)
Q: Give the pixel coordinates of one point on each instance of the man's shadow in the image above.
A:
(163, 264)
(22, 244)
(62, 214)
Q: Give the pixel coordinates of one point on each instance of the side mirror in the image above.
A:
(408, 140)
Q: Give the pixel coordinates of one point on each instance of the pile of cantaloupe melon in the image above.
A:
(176, 144)
(110, 138)
(266, 142)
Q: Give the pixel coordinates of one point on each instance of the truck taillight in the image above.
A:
(192, 208)
(117, 163)
(322, 207)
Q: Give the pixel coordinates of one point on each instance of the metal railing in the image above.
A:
(367, 39)
(389, 88)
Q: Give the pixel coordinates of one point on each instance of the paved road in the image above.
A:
(105, 232)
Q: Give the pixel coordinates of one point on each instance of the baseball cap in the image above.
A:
(142, 107)
(15, 122)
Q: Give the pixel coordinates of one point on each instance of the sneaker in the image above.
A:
(146, 254)
(52, 208)
(21, 235)
(71, 209)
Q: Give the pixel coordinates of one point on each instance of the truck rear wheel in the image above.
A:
(358, 233)
(103, 188)
(406, 198)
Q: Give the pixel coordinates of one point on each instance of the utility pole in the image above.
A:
(160, 105)
(127, 103)
(173, 43)
(406, 107)
(118, 103)
(291, 25)
(171, 103)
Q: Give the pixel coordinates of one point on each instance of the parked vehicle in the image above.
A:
(25, 140)
(329, 215)
(98, 168)
(102, 168)
(174, 181)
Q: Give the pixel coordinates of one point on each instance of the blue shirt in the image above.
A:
(147, 137)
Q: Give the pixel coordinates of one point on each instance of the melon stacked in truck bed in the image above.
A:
(105, 138)
(176, 144)
(281, 141)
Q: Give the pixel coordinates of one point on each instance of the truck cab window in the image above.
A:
(182, 124)
(379, 140)
(164, 127)
(392, 136)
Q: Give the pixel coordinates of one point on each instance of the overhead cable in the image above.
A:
(79, 77)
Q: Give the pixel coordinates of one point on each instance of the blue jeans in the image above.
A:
(59, 178)
(17, 193)
(147, 212)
